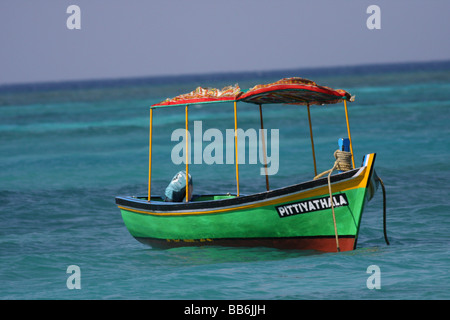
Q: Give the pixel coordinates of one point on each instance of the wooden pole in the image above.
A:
(150, 155)
(264, 146)
(312, 141)
(236, 148)
(349, 135)
(187, 156)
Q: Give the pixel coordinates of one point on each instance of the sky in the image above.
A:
(145, 38)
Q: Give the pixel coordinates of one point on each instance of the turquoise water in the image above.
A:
(66, 150)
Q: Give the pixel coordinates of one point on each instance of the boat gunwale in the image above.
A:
(135, 203)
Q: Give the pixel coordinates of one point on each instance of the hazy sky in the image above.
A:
(129, 38)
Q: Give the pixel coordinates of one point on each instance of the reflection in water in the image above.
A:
(213, 254)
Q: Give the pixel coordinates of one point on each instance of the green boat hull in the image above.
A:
(295, 217)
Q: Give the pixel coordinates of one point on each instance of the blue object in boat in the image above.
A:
(176, 190)
(344, 144)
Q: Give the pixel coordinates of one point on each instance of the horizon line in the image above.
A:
(139, 80)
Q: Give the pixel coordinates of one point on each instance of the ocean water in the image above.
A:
(67, 149)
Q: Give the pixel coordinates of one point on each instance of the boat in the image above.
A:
(322, 214)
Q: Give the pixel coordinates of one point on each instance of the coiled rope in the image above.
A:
(342, 163)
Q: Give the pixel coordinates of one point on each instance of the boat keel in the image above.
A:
(318, 243)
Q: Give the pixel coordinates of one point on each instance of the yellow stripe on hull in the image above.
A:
(359, 181)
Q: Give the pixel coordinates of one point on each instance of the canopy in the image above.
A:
(294, 91)
(288, 90)
(203, 95)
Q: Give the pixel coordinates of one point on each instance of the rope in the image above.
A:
(332, 209)
(384, 211)
(342, 163)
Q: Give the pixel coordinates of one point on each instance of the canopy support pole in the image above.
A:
(187, 156)
(150, 155)
(312, 141)
(349, 135)
(236, 148)
(264, 146)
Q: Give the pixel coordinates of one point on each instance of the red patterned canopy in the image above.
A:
(288, 90)
(203, 95)
(294, 91)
